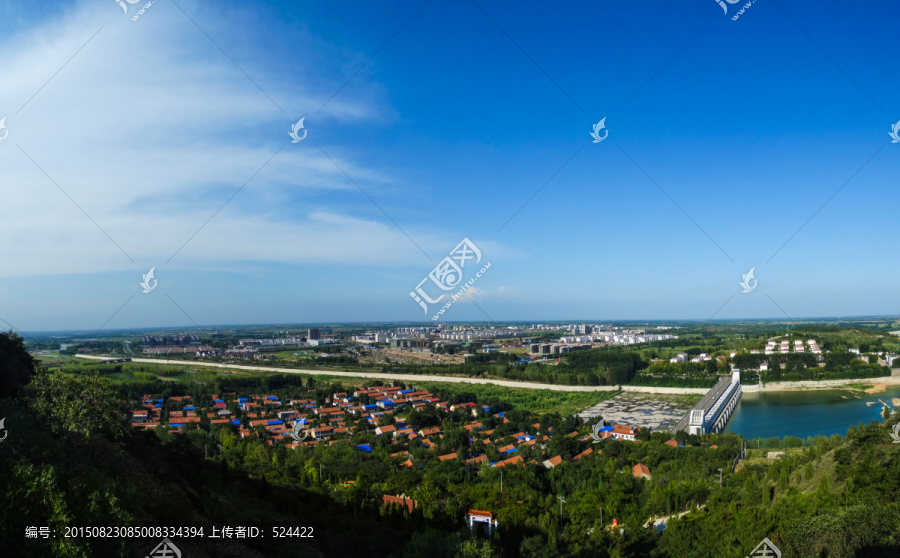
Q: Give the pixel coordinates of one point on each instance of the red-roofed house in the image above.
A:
(511, 461)
(401, 500)
(480, 516)
(583, 454)
(622, 432)
(641, 471)
(553, 462)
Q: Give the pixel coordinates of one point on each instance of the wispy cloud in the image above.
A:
(150, 130)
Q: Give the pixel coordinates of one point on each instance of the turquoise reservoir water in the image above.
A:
(806, 413)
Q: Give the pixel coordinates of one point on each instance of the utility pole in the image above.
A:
(562, 501)
(720, 477)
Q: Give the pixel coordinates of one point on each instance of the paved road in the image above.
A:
(413, 377)
(379, 376)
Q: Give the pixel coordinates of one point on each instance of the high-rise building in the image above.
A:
(313, 334)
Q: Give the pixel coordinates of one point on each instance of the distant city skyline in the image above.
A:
(299, 328)
(136, 144)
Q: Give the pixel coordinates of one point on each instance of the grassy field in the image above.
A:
(537, 401)
(289, 355)
(533, 400)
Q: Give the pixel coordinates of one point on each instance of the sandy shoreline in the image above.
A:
(878, 385)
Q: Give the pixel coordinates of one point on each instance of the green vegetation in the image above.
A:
(71, 459)
(535, 401)
(597, 367)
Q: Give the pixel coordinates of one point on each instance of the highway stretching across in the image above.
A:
(408, 377)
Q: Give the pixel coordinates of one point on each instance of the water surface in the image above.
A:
(769, 414)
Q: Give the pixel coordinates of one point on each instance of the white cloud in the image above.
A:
(150, 129)
(481, 294)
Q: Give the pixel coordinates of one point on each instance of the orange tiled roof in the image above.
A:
(640, 469)
(583, 454)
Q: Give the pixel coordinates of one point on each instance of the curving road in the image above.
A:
(410, 377)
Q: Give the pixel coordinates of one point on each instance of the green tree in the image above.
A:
(78, 405)
(16, 365)
(474, 548)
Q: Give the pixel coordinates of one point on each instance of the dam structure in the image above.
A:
(711, 414)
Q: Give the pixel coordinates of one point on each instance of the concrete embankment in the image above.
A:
(825, 384)
(411, 377)
(771, 386)
(376, 375)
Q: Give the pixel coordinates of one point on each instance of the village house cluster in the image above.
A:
(344, 413)
(784, 347)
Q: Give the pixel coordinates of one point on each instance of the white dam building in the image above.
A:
(711, 414)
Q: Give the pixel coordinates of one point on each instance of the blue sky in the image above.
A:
(749, 126)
